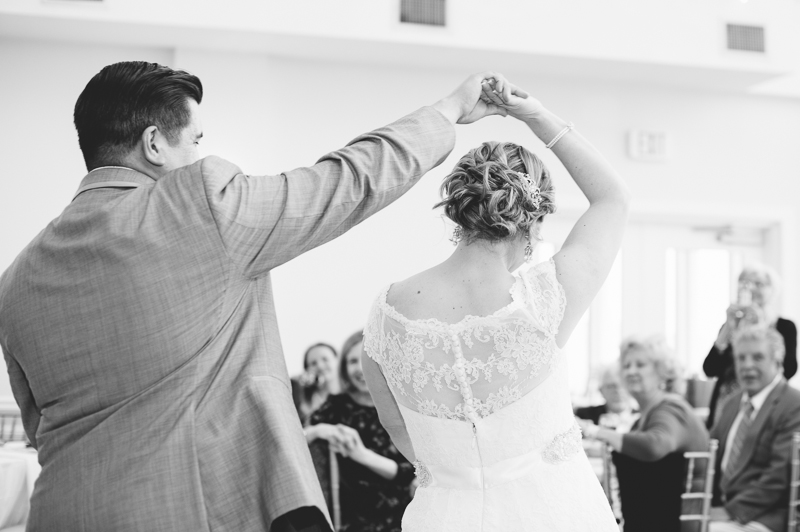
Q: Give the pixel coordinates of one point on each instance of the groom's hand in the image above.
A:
(465, 105)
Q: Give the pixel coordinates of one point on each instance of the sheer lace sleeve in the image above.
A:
(373, 333)
(547, 295)
(388, 411)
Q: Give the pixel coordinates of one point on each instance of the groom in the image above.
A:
(139, 329)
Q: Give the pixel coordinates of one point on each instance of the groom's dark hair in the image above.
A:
(123, 100)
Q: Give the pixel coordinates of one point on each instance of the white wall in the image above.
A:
(731, 155)
(683, 32)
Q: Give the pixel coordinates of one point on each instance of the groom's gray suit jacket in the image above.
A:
(140, 335)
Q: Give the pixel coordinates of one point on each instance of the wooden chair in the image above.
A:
(327, 467)
(708, 484)
(607, 473)
(794, 483)
(610, 483)
(11, 428)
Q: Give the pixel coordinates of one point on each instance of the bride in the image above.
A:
(464, 360)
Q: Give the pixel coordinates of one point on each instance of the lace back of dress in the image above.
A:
(477, 366)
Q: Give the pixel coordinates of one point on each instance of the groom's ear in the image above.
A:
(152, 142)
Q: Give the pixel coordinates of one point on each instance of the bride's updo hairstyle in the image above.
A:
(489, 198)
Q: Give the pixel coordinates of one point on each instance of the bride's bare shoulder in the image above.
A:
(407, 295)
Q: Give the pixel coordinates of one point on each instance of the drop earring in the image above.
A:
(529, 249)
(458, 234)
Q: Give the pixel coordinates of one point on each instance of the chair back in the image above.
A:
(794, 483)
(607, 473)
(708, 484)
(327, 468)
(610, 482)
(336, 510)
(11, 428)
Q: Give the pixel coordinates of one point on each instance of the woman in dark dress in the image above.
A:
(375, 479)
(649, 459)
(758, 286)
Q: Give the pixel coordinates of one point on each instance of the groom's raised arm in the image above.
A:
(265, 221)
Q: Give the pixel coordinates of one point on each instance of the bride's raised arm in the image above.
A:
(589, 251)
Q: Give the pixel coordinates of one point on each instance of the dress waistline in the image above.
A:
(563, 447)
(476, 478)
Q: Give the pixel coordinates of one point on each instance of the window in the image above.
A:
(669, 278)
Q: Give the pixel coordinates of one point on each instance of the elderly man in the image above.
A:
(139, 327)
(755, 434)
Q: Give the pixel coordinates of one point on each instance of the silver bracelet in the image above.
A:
(560, 134)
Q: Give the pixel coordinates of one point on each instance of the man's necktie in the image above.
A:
(738, 439)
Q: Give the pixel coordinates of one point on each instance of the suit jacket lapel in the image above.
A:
(754, 431)
(728, 415)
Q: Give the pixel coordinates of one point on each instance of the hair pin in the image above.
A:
(534, 194)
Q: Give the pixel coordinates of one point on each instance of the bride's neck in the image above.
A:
(481, 259)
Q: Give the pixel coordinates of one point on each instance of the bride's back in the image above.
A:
(448, 293)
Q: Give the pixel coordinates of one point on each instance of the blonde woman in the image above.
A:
(649, 459)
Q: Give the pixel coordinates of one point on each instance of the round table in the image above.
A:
(19, 469)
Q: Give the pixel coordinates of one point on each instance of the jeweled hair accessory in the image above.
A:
(534, 194)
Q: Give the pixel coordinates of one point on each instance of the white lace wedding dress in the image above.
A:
(487, 408)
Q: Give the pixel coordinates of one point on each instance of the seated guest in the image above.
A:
(649, 459)
(375, 478)
(755, 432)
(317, 381)
(674, 381)
(617, 403)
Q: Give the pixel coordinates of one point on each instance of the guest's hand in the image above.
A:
(588, 428)
(465, 105)
(311, 379)
(753, 315)
(352, 447)
(333, 434)
(733, 314)
(514, 100)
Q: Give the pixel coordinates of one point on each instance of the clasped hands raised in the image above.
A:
(486, 94)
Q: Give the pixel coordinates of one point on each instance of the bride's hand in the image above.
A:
(513, 99)
(466, 104)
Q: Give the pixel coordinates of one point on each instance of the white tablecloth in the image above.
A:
(19, 469)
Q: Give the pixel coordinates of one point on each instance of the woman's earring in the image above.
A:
(458, 234)
(528, 252)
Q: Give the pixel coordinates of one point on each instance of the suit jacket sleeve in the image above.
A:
(265, 221)
(788, 330)
(718, 432)
(24, 396)
(717, 361)
(771, 488)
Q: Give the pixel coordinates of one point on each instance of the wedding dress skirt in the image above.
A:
(488, 477)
